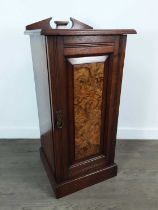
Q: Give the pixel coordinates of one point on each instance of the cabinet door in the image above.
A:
(84, 71)
(87, 88)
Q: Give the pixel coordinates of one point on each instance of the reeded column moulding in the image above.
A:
(78, 73)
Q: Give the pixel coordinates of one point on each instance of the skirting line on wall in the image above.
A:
(33, 133)
(19, 132)
(137, 133)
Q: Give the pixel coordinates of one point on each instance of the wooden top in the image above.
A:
(78, 28)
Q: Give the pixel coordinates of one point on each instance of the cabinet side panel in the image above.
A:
(120, 65)
(39, 57)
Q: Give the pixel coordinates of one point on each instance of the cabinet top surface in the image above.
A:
(78, 28)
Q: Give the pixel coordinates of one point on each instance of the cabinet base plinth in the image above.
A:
(78, 183)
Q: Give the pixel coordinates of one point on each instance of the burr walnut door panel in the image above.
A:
(87, 95)
(87, 75)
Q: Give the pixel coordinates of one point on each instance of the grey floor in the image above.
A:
(24, 184)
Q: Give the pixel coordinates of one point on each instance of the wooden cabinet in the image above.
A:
(78, 74)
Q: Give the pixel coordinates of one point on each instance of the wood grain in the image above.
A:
(88, 86)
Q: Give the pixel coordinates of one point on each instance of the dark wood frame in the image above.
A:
(65, 174)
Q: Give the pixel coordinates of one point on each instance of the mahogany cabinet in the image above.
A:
(78, 74)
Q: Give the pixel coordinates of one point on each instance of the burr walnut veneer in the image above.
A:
(78, 74)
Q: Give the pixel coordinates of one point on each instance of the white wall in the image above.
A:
(138, 111)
